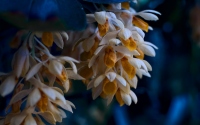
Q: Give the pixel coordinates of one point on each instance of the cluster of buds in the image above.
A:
(111, 61)
(114, 54)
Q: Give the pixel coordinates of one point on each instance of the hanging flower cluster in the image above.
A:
(111, 60)
(114, 54)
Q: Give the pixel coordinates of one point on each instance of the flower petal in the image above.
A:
(58, 39)
(126, 98)
(148, 50)
(125, 34)
(100, 17)
(33, 97)
(121, 79)
(134, 97)
(98, 80)
(108, 36)
(29, 120)
(33, 70)
(111, 76)
(7, 85)
(18, 119)
(20, 95)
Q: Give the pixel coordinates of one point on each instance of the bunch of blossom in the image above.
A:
(114, 53)
(112, 58)
(33, 79)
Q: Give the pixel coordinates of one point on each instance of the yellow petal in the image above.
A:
(95, 46)
(141, 56)
(103, 29)
(42, 103)
(128, 68)
(110, 57)
(47, 39)
(109, 88)
(129, 43)
(85, 56)
(125, 5)
(85, 72)
(140, 23)
(119, 98)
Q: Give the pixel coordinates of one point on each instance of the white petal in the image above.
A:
(64, 35)
(145, 73)
(49, 92)
(151, 11)
(122, 50)
(88, 43)
(134, 62)
(55, 67)
(148, 50)
(64, 106)
(19, 59)
(90, 84)
(58, 39)
(7, 85)
(111, 76)
(60, 96)
(98, 80)
(73, 66)
(20, 95)
(100, 17)
(55, 112)
(92, 60)
(148, 16)
(125, 34)
(33, 71)
(134, 97)
(18, 119)
(66, 85)
(33, 97)
(121, 80)
(66, 58)
(62, 113)
(137, 36)
(140, 31)
(109, 99)
(108, 36)
(114, 41)
(48, 116)
(29, 120)
(117, 23)
(72, 75)
(70, 103)
(126, 98)
(98, 50)
(97, 91)
(150, 44)
(148, 65)
(139, 73)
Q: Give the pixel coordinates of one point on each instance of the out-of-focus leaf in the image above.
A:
(43, 14)
(107, 1)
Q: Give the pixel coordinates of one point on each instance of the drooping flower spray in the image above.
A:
(110, 61)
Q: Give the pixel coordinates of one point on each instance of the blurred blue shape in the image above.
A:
(177, 110)
(155, 3)
(44, 14)
(167, 27)
(107, 1)
(120, 115)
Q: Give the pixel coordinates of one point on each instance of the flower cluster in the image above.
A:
(34, 78)
(114, 53)
(111, 60)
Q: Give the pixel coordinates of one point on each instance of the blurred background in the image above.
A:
(170, 97)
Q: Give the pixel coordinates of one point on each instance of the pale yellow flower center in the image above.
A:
(109, 88)
(43, 102)
(47, 39)
(129, 43)
(110, 57)
(103, 29)
(63, 76)
(128, 68)
(141, 56)
(140, 23)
